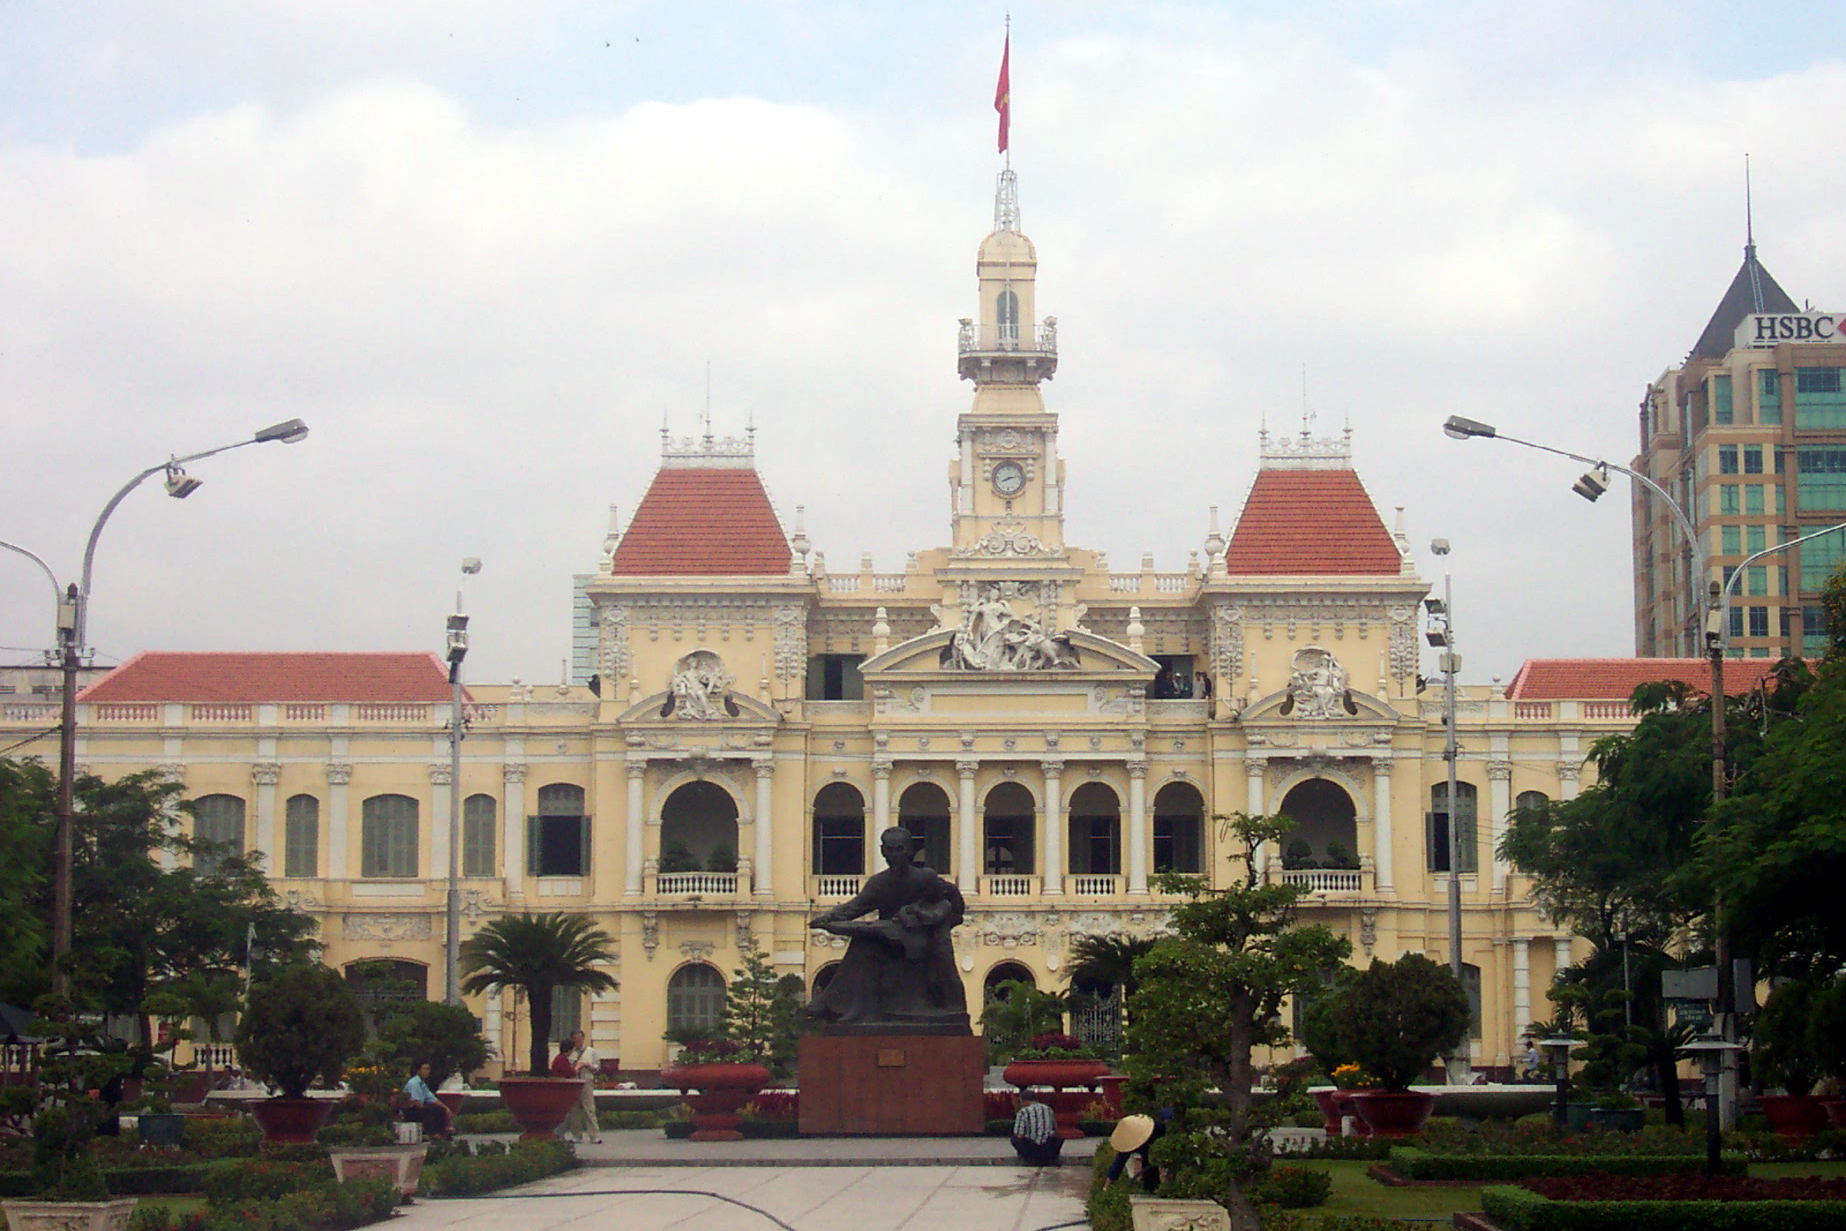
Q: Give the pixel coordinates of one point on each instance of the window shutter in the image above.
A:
(583, 846)
(1435, 827)
(532, 847)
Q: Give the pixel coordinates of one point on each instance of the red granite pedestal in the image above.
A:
(913, 1085)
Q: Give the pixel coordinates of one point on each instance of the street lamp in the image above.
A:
(1713, 1053)
(1441, 635)
(73, 623)
(1559, 1048)
(458, 650)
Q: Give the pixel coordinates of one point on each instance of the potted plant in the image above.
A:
(1349, 1080)
(1617, 1112)
(717, 1077)
(1828, 1033)
(1064, 1063)
(1016, 1013)
(300, 1025)
(535, 955)
(1324, 1040)
(443, 1035)
(68, 1189)
(1399, 1017)
(1783, 1053)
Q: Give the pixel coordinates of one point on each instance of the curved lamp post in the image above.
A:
(73, 624)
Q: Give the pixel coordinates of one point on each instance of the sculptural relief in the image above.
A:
(995, 637)
(1317, 686)
(701, 689)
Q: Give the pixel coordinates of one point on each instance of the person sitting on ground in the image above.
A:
(1035, 1132)
(424, 1107)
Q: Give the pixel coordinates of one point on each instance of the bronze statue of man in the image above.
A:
(898, 975)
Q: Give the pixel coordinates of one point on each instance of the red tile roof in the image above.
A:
(1615, 679)
(274, 677)
(1311, 522)
(703, 522)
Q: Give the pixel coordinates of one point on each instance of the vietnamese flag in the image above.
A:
(1003, 92)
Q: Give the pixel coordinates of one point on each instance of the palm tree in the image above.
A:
(1108, 961)
(537, 954)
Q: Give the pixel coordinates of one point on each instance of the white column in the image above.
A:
(763, 868)
(1522, 986)
(1381, 823)
(881, 800)
(1051, 827)
(1562, 947)
(339, 773)
(968, 827)
(1137, 826)
(264, 775)
(513, 824)
(633, 852)
(1569, 773)
(439, 788)
(1255, 768)
(1500, 801)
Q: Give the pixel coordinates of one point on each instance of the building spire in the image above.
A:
(1749, 242)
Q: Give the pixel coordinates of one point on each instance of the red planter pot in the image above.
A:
(291, 1121)
(1344, 1106)
(1060, 1075)
(1836, 1111)
(1795, 1116)
(1393, 1113)
(540, 1103)
(1111, 1086)
(1330, 1116)
(452, 1099)
(721, 1090)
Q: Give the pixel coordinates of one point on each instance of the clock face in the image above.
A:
(1009, 478)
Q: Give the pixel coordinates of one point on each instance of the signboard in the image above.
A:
(1698, 983)
(1774, 328)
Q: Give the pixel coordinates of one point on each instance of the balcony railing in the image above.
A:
(717, 884)
(836, 886)
(31, 711)
(977, 339)
(390, 711)
(218, 711)
(1093, 885)
(127, 711)
(1009, 885)
(1326, 880)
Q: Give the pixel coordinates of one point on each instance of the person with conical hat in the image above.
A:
(1133, 1137)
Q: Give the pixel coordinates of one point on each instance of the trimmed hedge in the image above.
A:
(1520, 1209)
(1415, 1164)
(128, 1181)
(495, 1166)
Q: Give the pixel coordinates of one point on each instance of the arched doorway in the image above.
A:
(1179, 828)
(1095, 831)
(1008, 819)
(1326, 832)
(923, 809)
(695, 1001)
(1005, 972)
(698, 830)
(839, 830)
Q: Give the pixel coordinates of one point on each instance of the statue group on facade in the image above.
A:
(993, 637)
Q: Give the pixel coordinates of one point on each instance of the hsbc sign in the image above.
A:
(1771, 328)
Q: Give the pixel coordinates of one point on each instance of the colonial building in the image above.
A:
(1054, 730)
(1749, 435)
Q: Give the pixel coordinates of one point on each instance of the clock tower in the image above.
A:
(1007, 483)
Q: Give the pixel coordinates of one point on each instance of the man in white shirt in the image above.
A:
(588, 1066)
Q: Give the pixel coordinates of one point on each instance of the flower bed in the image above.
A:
(1412, 1163)
(464, 1172)
(319, 1207)
(1668, 1203)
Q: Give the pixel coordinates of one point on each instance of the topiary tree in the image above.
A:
(1782, 1038)
(302, 1024)
(761, 1013)
(1016, 1013)
(1399, 1016)
(1827, 1030)
(537, 954)
(445, 1035)
(68, 1114)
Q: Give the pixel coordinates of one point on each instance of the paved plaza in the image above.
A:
(642, 1181)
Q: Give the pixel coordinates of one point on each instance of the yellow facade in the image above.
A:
(995, 693)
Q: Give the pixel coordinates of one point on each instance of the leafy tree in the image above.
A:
(1209, 996)
(536, 955)
(1107, 961)
(1784, 1048)
(1399, 1016)
(138, 924)
(300, 1024)
(762, 1013)
(25, 835)
(445, 1035)
(1017, 1012)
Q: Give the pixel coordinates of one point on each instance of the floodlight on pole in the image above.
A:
(457, 643)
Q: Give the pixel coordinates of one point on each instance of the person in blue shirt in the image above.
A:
(424, 1108)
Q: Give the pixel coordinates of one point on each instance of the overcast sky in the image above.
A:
(483, 246)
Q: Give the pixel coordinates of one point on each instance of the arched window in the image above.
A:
(1007, 830)
(1005, 972)
(698, 829)
(695, 999)
(824, 976)
(219, 821)
(1529, 801)
(301, 836)
(1179, 828)
(839, 830)
(558, 838)
(1006, 317)
(388, 836)
(1437, 828)
(381, 981)
(1326, 833)
(1095, 831)
(923, 809)
(480, 815)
